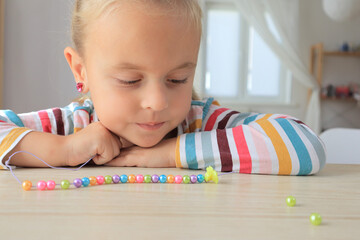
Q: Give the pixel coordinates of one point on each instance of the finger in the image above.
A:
(105, 152)
(116, 145)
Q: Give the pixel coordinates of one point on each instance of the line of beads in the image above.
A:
(99, 180)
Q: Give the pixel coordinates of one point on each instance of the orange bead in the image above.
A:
(26, 185)
(93, 180)
(170, 178)
(131, 178)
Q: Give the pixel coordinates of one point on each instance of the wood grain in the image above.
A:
(241, 206)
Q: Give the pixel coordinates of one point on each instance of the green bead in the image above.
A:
(315, 219)
(290, 201)
(108, 179)
(186, 179)
(147, 178)
(65, 184)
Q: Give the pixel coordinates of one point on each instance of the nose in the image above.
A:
(155, 97)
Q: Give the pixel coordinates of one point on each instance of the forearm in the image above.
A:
(49, 147)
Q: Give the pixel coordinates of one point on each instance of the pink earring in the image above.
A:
(79, 86)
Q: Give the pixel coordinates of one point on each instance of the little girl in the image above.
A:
(137, 58)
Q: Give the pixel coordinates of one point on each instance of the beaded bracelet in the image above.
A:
(210, 176)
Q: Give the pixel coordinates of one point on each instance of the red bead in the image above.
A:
(139, 178)
(41, 185)
(178, 179)
(50, 185)
(100, 179)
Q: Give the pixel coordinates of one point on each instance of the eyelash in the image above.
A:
(174, 81)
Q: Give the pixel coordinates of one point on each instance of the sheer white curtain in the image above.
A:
(276, 21)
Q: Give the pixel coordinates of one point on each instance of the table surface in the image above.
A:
(240, 206)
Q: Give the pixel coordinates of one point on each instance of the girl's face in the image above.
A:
(140, 69)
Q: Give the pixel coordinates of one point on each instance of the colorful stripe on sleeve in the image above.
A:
(250, 143)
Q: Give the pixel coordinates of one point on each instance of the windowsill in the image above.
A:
(255, 104)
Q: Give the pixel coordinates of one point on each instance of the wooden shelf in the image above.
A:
(342, 99)
(317, 55)
(342, 54)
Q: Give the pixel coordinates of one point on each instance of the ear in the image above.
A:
(77, 66)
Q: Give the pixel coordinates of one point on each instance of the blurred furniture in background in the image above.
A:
(342, 145)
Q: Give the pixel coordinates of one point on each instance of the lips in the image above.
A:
(151, 125)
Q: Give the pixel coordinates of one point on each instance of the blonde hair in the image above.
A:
(87, 11)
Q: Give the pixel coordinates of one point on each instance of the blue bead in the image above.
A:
(200, 178)
(162, 178)
(124, 178)
(85, 181)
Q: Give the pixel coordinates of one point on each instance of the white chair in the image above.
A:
(342, 145)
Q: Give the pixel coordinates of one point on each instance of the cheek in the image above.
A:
(181, 104)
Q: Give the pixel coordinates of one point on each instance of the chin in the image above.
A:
(146, 143)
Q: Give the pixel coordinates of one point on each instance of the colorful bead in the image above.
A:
(155, 178)
(186, 179)
(65, 184)
(290, 201)
(26, 185)
(41, 185)
(108, 179)
(193, 179)
(123, 178)
(200, 178)
(315, 219)
(170, 178)
(131, 178)
(162, 178)
(147, 178)
(178, 179)
(77, 182)
(100, 179)
(115, 178)
(211, 175)
(92, 180)
(50, 185)
(139, 178)
(85, 181)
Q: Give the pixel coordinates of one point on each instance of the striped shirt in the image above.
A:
(210, 135)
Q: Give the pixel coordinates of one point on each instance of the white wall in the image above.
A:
(36, 75)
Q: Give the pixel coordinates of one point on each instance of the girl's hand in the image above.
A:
(94, 140)
(161, 155)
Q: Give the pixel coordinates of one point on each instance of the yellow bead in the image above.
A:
(290, 201)
(315, 219)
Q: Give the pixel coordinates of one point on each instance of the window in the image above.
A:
(238, 66)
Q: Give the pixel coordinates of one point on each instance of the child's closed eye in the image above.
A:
(178, 81)
(133, 82)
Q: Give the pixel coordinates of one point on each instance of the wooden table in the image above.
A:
(241, 206)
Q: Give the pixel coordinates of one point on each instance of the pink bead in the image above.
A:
(100, 180)
(41, 185)
(139, 178)
(50, 185)
(178, 179)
